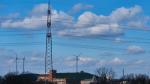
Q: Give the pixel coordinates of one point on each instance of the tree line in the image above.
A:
(102, 76)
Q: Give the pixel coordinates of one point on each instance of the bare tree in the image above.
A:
(105, 75)
(1, 79)
(137, 79)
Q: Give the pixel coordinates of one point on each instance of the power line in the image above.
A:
(40, 32)
(133, 40)
(63, 44)
(26, 1)
(111, 39)
(30, 34)
(32, 19)
(22, 44)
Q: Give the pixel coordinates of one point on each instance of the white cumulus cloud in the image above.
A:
(91, 24)
(87, 24)
(117, 61)
(135, 49)
(79, 7)
(81, 60)
(39, 9)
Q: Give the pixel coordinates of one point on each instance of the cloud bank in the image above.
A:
(87, 24)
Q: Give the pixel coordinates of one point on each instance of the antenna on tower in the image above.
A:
(48, 51)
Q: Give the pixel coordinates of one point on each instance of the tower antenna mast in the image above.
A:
(48, 51)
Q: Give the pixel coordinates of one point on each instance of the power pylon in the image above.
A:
(123, 73)
(77, 61)
(23, 59)
(16, 65)
(48, 52)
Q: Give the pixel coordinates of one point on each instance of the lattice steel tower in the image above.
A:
(48, 52)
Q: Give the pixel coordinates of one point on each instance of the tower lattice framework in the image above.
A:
(48, 52)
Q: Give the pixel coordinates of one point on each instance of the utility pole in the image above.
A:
(23, 59)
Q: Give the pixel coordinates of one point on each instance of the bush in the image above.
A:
(105, 75)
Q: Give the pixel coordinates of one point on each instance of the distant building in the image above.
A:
(68, 78)
(89, 81)
(124, 82)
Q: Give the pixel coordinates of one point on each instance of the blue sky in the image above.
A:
(111, 33)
